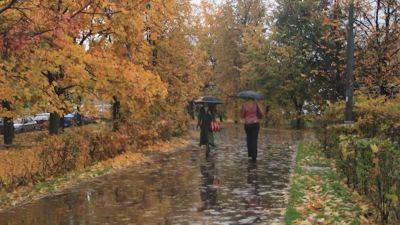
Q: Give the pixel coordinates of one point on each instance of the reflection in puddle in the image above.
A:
(183, 188)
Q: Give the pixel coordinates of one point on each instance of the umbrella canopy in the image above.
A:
(250, 95)
(209, 100)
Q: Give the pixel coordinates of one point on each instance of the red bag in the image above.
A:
(215, 126)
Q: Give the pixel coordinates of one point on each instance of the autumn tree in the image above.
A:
(377, 42)
(18, 33)
(231, 25)
(128, 30)
(55, 54)
(177, 60)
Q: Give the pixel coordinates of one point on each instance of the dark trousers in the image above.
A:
(252, 138)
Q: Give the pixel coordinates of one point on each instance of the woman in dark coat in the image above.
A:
(204, 122)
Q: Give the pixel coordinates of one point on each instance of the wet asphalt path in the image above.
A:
(182, 188)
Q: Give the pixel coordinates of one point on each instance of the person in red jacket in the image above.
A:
(251, 113)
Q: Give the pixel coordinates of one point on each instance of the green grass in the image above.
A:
(295, 195)
(337, 201)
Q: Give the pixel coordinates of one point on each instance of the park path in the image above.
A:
(181, 188)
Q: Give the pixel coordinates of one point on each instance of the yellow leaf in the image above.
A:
(374, 148)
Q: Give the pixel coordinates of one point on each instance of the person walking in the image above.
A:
(266, 115)
(191, 109)
(205, 118)
(251, 113)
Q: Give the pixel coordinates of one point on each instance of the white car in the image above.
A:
(41, 117)
(25, 124)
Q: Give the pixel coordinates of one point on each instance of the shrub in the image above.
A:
(372, 168)
(75, 149)
(368, 151)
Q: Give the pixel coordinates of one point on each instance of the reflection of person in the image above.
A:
(251, 113)
(209, 184)
(206, 115)
(252, 173)
(253, 199)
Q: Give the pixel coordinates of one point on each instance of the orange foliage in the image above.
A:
(76, 149)
(57, 55)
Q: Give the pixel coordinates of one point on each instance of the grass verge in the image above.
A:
(318, 196)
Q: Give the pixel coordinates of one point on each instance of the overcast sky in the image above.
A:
(198, 1)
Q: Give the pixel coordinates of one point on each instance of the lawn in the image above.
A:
(319, 196)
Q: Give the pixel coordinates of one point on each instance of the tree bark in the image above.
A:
(8, 130)
(299, 119)
(350, 66)
(299, 113)
(116, 113)
(79, 116)
(8, 125)
(54, 123)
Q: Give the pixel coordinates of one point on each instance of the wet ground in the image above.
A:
(182, 188)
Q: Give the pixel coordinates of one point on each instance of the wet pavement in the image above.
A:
(181, 188)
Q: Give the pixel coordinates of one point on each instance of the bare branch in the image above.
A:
(8, 6)
(83, 8)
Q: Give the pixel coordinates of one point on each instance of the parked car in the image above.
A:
(70, 119)
(42, 119)
(25, 124)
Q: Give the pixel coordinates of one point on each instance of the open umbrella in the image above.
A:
(209, 100)
(250, 95)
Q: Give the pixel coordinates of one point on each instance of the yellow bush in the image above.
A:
(75, 149)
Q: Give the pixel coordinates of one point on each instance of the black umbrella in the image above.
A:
(250, 95)
(209, 100)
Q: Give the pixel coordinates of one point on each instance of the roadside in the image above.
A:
(25, 140)
(318, 196)
(131, 157)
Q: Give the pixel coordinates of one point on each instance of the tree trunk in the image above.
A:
(350, 66)
(79, 118)
(116, 113)
(299, 113)
(8, 130)
(8, 125)
(54, 123)
(79, 121)
(299, 119)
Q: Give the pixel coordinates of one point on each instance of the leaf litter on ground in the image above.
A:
(319, 197)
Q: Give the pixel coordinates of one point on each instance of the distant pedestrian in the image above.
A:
(251, 113)
(205, 118)
(266, 115)
(221, 116)
(191, 109)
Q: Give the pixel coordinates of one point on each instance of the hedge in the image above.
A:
(367, 152)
